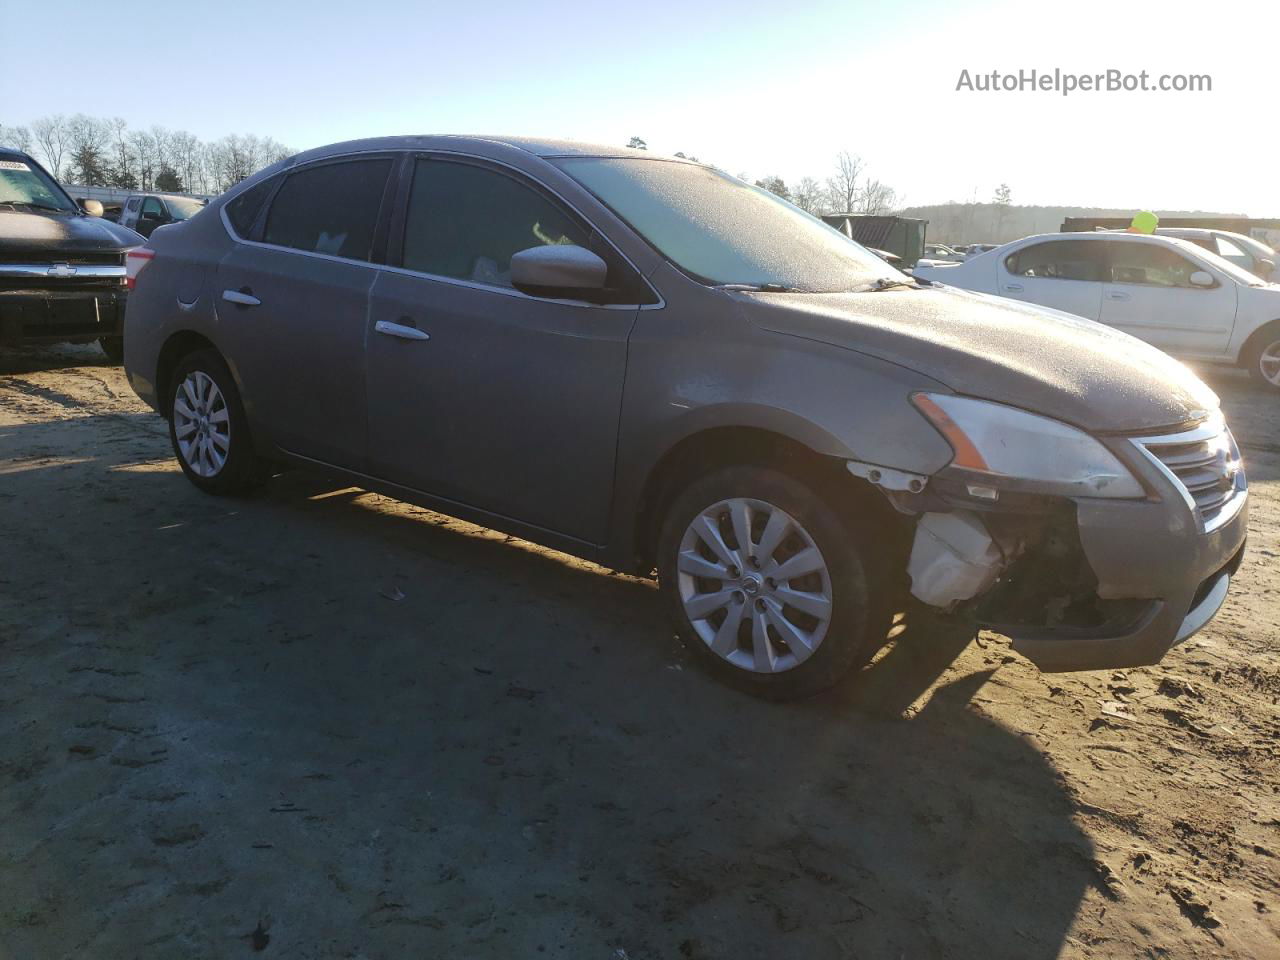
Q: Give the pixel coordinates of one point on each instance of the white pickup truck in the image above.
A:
(1169, 292)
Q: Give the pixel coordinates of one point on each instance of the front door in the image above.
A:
(1150, 295)
(478, 393)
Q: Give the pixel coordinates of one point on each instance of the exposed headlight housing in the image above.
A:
(1011, 447)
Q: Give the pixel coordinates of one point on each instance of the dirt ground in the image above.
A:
(321, 724)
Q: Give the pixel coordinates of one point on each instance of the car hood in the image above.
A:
(1052, 363)
(49, 234)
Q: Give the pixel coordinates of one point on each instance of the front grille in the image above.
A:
(1204, 461)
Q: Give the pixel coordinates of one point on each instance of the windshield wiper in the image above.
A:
(888, 283)
(37, 206)
(757, 287)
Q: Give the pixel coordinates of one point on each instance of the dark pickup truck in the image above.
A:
(62, 267)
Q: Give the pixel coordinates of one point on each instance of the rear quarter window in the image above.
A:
(244, 209)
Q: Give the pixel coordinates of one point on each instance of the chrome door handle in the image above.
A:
(240, 298)
(1117, 295)
(400, 330)
(1014, 287)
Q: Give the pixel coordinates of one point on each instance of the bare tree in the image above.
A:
(51, 139)
(185, 157)
(143, 150)
(19, 138)
(842, 186)
(122, 159)
(88, 144)
(877, 198)
(808, 195)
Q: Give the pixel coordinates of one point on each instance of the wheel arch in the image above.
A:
(801, 449)
(178, 345)
(1271, 328)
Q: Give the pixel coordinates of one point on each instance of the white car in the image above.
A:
(1168, 292)
(1245, 252)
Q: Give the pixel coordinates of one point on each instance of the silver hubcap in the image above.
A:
(754, 585)
(202, 424)
(1269, 363)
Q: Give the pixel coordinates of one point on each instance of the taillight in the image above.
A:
(134, 261)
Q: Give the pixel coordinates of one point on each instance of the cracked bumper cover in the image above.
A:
(1161, 552)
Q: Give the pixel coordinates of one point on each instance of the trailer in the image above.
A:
(901, 236)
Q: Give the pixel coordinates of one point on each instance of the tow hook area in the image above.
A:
(953, 558)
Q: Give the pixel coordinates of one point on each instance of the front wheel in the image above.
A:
(1263, 360)
(768, 585)
(208, 428)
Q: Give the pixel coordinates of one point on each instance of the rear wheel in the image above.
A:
(113, 347)
(768, 585)
(1263, 359)
(208, 429)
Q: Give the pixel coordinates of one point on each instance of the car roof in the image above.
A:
(1187, 231)
(482, 145)
(12, 153)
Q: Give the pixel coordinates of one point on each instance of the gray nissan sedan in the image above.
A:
(644, 362)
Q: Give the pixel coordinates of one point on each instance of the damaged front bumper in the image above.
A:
(1089, 583)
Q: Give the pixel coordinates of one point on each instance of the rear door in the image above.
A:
(1063, 274)
(292, 303)
(479, 393)
(1150, 295)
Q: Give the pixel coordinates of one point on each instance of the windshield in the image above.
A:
(183, 208)
(723, 231)
(1239, 274)
(1252, 244)
(24, 185)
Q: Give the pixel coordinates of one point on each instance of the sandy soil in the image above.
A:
(319, 723)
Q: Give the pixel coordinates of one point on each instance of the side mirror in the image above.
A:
(1201, 278)
(561, 271)
(92, 207)
(1265, 267)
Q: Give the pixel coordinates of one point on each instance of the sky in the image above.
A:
(755, 88)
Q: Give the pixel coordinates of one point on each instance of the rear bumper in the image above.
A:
(51, 315)
(1163, 554)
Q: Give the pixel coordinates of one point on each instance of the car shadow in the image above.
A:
(346, 724)
(28, 358)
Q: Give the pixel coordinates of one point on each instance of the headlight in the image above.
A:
(1038, 454)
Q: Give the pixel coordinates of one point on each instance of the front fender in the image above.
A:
(685, 379)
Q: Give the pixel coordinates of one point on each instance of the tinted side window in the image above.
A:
(1150, 264)
(243, 210)
(151, 205)
(1058, 260)
(467, 222)
(329, 209)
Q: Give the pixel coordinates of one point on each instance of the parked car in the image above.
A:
(1166, 291)
(975, 249)
(940, 251)
(584, 347)
(1245, 252)
(146, 211)
(62, 268)
(890, 258)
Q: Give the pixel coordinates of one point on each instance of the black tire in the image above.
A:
(1266, 339)
(242, 471)
(113, 347)
(862, 591)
